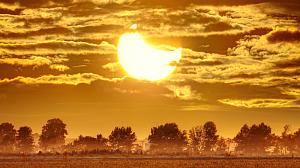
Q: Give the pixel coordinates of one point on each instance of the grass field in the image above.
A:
(151, 163)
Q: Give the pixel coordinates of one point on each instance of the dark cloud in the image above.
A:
(293, 62)
(218, 26)
(284, 36)
(28, 22)
(13, 71)
(39, 3)
(201, 63)
(244, 75)
(284, 73)
(53, 45)
(285, 16)
(85, 8)
(40, 32)
(99, 28)
(88, 8)
(10, 11)
(172, 3)
(215, 43)
(179, 19)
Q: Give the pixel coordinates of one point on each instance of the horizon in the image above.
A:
(99, 64)
(107, 133)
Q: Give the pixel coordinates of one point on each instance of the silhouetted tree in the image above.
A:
(254, 140)
(167, 138)
(276, 142)
(196, 139)
(242, 139)
(88, 143)
(25, 142)
(7, 137)
(53, 135)
(261, 135)
(102, 140)
(122, 139)
(287, 140)
(205, 139)
(210, 136)
(221, 146)
(296, 140)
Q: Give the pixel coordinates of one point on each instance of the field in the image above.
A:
(151, 163)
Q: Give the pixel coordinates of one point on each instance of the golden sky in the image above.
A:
(240, 64)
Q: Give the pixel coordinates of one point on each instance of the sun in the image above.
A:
(143, 61)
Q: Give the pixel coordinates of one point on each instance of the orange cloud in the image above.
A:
(34, 61)
(262, 103)
(69, 79)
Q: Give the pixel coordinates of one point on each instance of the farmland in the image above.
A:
(92, 162)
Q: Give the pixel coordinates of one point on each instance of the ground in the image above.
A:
(96, 162)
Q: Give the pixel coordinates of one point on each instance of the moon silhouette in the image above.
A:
(145, 62)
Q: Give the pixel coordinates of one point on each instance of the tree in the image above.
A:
(242, 139)
(296, 140)
(260, 136)
(88, 143)
(102, 141)
(254, 140)
(196, 139)
(7, 137)
(210, 136)
(221, 146)
(276, 142)
(286, 140)
(25, 140)
(53, 135)
(122, 139)
(167, 138)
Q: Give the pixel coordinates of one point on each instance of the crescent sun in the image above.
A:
(145, 62)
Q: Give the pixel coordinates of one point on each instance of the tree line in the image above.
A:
(163, 139)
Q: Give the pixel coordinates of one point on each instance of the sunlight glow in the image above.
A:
(143, 61)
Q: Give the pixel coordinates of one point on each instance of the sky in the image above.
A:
(240, 64)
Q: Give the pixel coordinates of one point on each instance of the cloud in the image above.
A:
(42, 31)
(228, 49)
(113, 66)
(98, 28)
(262, 103)
(10, 11)
(219, 26)
(287, 62)
(172, 3)
(281, 58)
(68, 79)
(34, 3)
(284, 35)
(57, 47)
(34, 61)
(291, 91)
(211, 43)
(207, 67)
(183, 93)
(59, 67)
(170, 19)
